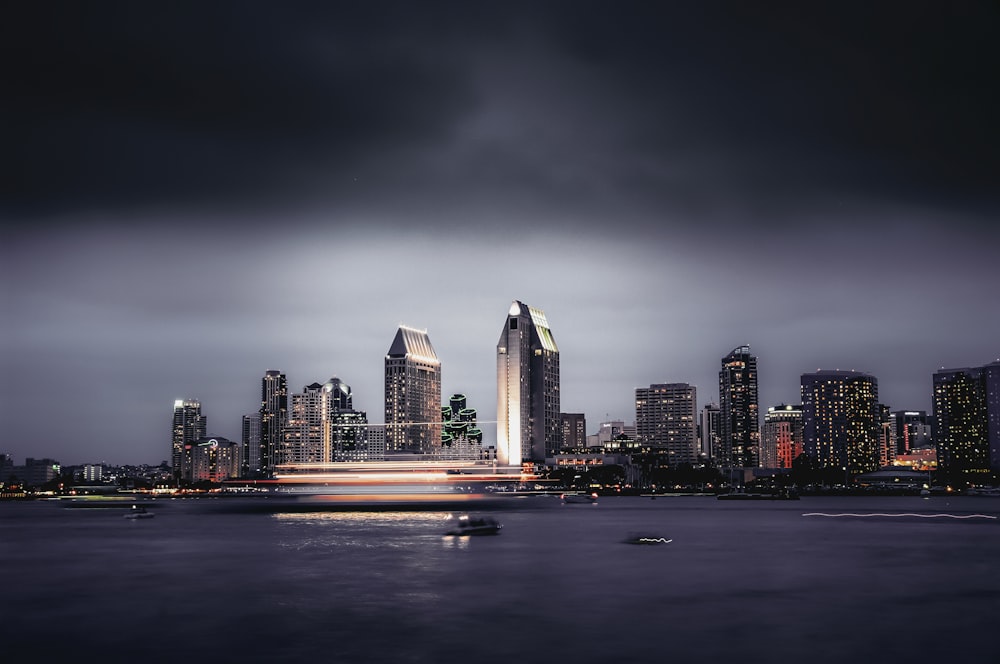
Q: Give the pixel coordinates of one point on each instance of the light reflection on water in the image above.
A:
(751, 582)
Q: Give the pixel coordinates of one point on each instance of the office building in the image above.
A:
(782, 436)
(708, 431)
(189, 425)
(251, 445)
(665, 420)
(303, 439)
(739, 433)
(528, 424)
(412, 393)
(461, 439)
(273, 418)
(841, 419)
(574, 430)
(967, 417)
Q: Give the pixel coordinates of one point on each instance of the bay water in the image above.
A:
(822, 579)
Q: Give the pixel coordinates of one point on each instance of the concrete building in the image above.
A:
(841, 420)
(782, 437)
(967, 415)
(665, 420)
(574, 430)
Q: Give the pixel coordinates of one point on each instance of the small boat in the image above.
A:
(467, 526)
(579, 498)
(138, 512)
(647, 540)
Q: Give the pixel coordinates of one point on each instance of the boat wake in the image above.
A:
(903, 514)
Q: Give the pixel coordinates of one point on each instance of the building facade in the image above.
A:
(273, 418)
(189, 425)
(528, 424)
(251, 445)
(739, 425)
(665, 420)
(213, 460)
(841, 419)
(574, 430)
(412, 393)
(967, 417)
(708, 431)
(782, 437)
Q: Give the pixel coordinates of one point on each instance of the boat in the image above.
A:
(646, 539)
(467, 526)
(138, 512)
(784, 494)
(579, 498)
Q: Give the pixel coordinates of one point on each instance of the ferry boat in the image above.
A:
(467, 526)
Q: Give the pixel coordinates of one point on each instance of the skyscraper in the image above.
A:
(345, 430)
(251, 445)
(189, 425)
(739, 433)
(412, 393)
(665, 420)
(273, 417)
(841, 420)
(967, 415)
(708, 428)
(528, 426)
(302, 439)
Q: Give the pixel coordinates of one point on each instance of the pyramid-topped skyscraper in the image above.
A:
(412, 393)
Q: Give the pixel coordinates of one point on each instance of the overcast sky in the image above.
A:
(194, 193)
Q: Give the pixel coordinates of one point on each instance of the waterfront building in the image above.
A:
(739, 439)
(782, 439)
(189, 425)
(967, 414)
(708, 430)
(303, 439)
(909, 430)
(574, 430)
(528, 424)
(412, 393)
(213, 459)
(273, 418)
(665, 421)
(251, 445)
(841, 420)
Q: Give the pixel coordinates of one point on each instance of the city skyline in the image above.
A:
(197, 200)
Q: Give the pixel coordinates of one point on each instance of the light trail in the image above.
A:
(904, 514)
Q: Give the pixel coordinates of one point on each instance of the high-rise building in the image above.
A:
(665, 420)
(967, 416)
(708, 430)
(782, 438)
(302, 440)
(841, 419)
(909, 430)
(528, 426)
(189, 425)
(251, 445)
(739, 433)
(345, 430)
(412, 393)
(213, 460)
(574, 430)
(273, 417)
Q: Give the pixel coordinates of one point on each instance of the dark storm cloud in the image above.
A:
(722, 111)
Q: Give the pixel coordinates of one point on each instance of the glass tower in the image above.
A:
(189, 426)
(528, 423)
(739, 432)
(273, 418)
